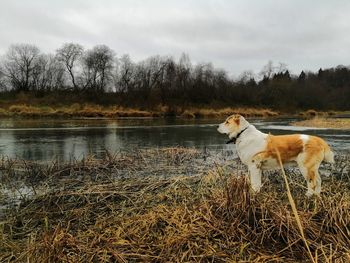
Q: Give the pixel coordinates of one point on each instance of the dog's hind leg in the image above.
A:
(304, 172)
(255, 177)
(310, 172)
(316, 183)
(313, 181)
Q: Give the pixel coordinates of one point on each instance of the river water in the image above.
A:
(45, 140)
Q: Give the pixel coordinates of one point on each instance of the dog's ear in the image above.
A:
(242, 121)
(237, 119)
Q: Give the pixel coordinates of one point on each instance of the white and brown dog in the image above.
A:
(259, 151)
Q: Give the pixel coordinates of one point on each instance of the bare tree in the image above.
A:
(184, 71)
(48, 73)
(155, 68)
(125, 72)
(98, 66)
(246, 76)
(69, 54)
(3, 86)
(282, 67)
(20, 62)
(268, 70)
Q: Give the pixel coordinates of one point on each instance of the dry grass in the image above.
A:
(3, 112)
(75, 110)
(313, 113)
(320, 122)
(96, 111)
(91, 212)
(210, 113)
(30, 111)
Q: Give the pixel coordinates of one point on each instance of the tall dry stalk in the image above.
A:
(292, 203)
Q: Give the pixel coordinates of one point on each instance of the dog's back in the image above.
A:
(290, 147)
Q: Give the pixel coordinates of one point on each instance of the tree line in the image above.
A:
(161, 80)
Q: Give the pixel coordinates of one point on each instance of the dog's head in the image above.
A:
(233, 125)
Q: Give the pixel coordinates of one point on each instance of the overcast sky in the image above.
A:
(234, 35)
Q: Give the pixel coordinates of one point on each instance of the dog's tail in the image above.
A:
(328, 154)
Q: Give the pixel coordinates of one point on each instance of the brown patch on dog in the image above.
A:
(237, 120)
(314, 149)
(288, 147)
(234, 118)
(312, 178)
(233, 121)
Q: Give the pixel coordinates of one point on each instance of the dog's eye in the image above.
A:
(226, 122)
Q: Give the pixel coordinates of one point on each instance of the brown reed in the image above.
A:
(93, 211)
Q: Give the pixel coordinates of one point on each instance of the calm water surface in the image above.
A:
(44, 140)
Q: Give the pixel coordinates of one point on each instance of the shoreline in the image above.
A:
(97, 111)
(93, 111)
(323, 122)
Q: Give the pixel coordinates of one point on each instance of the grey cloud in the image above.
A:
(234, 35)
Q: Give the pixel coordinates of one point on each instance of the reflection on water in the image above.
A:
(44, 140)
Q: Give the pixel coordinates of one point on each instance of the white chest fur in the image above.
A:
(250, 143)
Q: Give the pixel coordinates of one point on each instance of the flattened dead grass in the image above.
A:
(334, 123)
(209, 217)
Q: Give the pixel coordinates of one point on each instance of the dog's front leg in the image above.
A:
(255, 177)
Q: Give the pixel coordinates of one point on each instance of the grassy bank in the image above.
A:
(82, 111)
(322, 122)
(111, 211)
